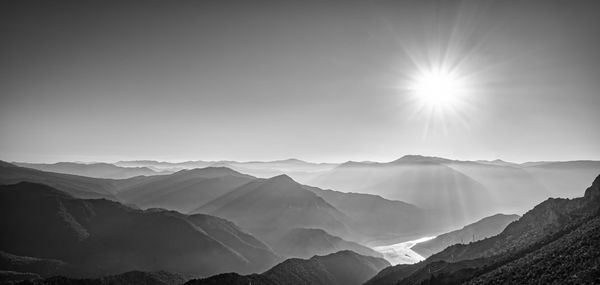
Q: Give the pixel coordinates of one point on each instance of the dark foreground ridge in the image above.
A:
(127, 278)
(340, 268)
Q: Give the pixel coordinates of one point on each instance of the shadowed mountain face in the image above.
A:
(182, 191)
(573, 258)
(270, 207)
(97, 170)
(132, 277)
(555, 242)
(484, 228)
(344, 267)
(304, 243)
(99, 237)
(78, 186)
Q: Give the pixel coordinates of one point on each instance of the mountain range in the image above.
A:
(78, 186)
(97, 170)
(501, 186)
(202, 222)
(198, 190)
(263, 169)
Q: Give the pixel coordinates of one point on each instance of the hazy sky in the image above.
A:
(320, 81)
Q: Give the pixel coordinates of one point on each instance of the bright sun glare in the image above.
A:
(442, 96)
(438, 88)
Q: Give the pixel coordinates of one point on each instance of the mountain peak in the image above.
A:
(351, 163)
(212, 171)
(415, 158)
(281, 181)
(282, 178)
(291, 160)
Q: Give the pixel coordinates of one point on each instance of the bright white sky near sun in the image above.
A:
(321, 81)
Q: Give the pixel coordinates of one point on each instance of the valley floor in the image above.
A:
(401, 253)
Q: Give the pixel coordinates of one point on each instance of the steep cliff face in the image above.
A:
(592, 194)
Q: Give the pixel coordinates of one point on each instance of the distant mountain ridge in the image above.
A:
(488, 179)
(78, 186)
(96, 170)
(262, 169)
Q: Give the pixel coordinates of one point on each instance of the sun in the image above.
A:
(441, 96)
(438, 88)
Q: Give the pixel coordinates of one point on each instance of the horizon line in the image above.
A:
(176, 161)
